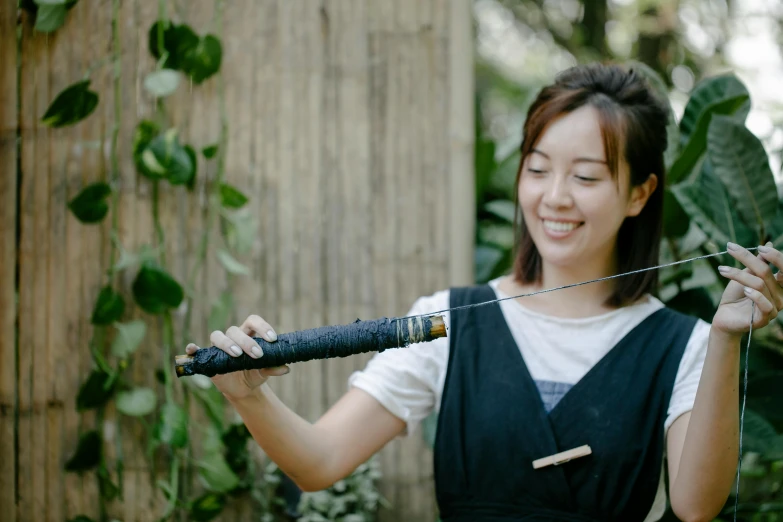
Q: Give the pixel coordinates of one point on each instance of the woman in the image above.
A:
(604, 365)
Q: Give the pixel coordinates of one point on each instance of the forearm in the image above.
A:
(710, 450)
(294, 444)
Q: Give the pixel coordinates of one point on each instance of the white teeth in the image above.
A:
(559, 226)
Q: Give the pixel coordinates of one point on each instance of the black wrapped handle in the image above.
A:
(317, 343)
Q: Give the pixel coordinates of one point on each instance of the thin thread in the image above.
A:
(666, 265)
(474, 305)
(742, 411)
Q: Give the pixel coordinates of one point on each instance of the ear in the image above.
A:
(640, 194)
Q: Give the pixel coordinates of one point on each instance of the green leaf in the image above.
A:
(695, 148)
(88, 453)
(145, 132)
(109, 307)
(136, 402)
(162, 83)
(497, 234)
(705, 95)
(240, 229)
(108, 489)
(128, 338)
(165, 157)
(740, 162)
(90, 206)
(50, 17)
(230, 263)
(96, 391)
(178, 41)
(203, 60)
(235, 441)
(210, 151)
(216, 473)
(191, 183)
(71, 106)
(156, 291)
(502, 208)
(675, 220)
(758, 433)
(172, 428)
(207, 507)
(486, 260)
(231, 197)
(220, 313)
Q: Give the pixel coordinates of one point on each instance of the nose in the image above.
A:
(557, 193)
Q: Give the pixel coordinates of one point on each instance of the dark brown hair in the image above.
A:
(633, 123)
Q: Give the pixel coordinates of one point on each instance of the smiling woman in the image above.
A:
(558, 406)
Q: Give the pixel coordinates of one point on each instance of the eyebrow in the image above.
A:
(577, 160)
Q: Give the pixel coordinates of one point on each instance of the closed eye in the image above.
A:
(582, 178)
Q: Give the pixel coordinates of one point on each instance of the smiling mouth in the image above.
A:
(560, 226)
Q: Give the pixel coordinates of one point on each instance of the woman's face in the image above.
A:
(572, 206)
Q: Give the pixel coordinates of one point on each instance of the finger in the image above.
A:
(771, 255)
(758, 266)
(277, 371)
(746, 279)
(191, 349)
(245, 342)
(222, 341)
(255, 324)
(764, 305)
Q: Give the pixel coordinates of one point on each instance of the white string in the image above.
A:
(666, 265)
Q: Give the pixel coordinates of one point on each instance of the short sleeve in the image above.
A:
(689, 373)
(408, 381)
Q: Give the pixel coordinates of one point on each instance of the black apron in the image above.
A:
(493, 424)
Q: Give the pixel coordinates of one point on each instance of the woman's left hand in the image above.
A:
(756, 283)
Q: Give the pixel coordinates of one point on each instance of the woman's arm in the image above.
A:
(317, 455)
(703, 445)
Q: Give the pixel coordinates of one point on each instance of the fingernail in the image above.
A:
(723, 269)
(732, 246)
(236, 350)
(764, 249)
(748, 291)
(769, 244)
(272, 335)
(256, 352)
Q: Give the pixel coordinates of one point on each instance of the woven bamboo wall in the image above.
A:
(350, 129)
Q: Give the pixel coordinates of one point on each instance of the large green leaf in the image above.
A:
(178, 41)
(156, 291)
(231, 197)
(109, 307)
(695, 148)
(95, 391)
(203, 60)
(675, 220)
(71, 106)
(128, 338)
(50, 17)
(740, 162)
(705, 95)
(758, 433)
(216, 472)
(172, 428)
(166, 158)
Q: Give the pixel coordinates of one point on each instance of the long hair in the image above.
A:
(633, 124)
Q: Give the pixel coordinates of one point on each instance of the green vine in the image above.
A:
(162, 160)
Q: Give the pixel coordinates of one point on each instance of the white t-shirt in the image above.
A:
(409, 381)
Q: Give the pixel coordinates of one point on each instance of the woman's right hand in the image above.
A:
(238, 339)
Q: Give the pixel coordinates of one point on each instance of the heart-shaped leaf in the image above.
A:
(162, 83)
(210, 151)
(96, 391)
(136, 402)
(203, 60)
(156, 291)
(72, 105)
(178, 41)
(109, 307)
(240, 229)
(739, 160)
(172, 427)
(128, 338)
(231, 264)
(90, 206)
(164, 157)
(231, 197)
(50, 17)
(87, 454)
(145, 132)
(216, 473)
(207, 507)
